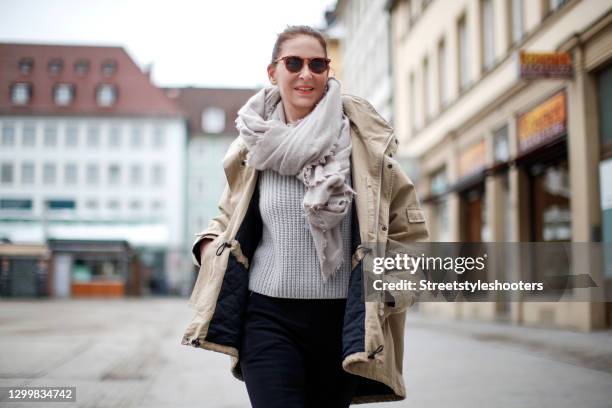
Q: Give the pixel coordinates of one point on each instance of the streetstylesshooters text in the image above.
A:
(460, 265)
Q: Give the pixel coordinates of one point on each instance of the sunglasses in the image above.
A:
(294, 64)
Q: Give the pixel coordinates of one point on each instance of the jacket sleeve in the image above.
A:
(216, 226)
(227, 203)
(406, 224)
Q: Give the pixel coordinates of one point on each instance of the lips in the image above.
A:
(304, 90)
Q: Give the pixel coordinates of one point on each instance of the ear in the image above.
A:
(272, 73)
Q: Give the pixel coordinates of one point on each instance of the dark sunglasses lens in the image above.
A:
(318, 65)
(294, 64)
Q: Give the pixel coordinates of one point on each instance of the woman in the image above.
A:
(310, 181)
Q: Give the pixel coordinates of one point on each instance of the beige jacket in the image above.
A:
(386, 209)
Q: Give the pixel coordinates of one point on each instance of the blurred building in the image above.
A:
(24, 270)
(92, 150)
(334, 34)
(365, 46)
(211, 115)
(505, 105)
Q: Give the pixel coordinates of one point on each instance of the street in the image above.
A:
(127, 353)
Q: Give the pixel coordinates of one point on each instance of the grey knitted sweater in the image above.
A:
(285, 263)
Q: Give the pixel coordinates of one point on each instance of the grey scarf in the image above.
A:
(316, 150)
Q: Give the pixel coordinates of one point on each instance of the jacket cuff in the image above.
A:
(195, 248)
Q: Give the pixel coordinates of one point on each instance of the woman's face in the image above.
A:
(297, 101)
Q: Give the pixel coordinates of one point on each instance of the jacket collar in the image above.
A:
(373, 130)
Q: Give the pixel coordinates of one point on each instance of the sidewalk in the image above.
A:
(127, 353)
(587, 350)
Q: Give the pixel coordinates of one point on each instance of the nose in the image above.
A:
(305, 72)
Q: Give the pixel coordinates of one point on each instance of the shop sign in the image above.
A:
(472, 159)
(536, 65)
(543, 123)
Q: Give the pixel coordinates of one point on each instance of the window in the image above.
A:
(15, 204)
(6, 173)
(63, 94)
(29, 135)
(61, 204)
(92, 174)
(93, 136)
(50, 136)
(136, 137)
(81, 67)
(49, 173)
(158, 175)
(113, 204)
(553, 5)
(27, 173)
(501, 145)
(70, 174)
(442, 74)
(114, 137)
(158, 136)
(604, 107)
(114, 174)
(72, 136)
(462, 49)
(135, 175)
(21, 93)
(428, 89)
(135, 205)
(55, 66)
(412, 103)
(91, 204)
(551, 202)
(106, 95)
(8, 135)
(26, 65)
(213, 120)
(440, 220)
(488, 36)
(516, 20)
(109, 67)
(408, 14)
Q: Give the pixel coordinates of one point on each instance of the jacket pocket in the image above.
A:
(415, 215)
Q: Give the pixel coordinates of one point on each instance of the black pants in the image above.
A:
(291, 353)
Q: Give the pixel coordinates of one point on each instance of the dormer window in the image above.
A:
(81, 67)
(109, 67)
(213, 120)
(26, 65)
(106, 95)
(63, 94)
(55, 66)
(21, 93)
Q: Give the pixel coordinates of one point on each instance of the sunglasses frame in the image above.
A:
(304, 60)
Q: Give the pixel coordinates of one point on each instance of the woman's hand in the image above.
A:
(203, 244)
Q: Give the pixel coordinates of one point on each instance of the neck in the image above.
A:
(293, 115)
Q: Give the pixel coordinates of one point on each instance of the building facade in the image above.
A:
(365, 52)
(504, 156)
(90, 149)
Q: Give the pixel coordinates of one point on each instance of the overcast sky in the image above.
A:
(224, 43)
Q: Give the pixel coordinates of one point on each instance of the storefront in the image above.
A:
(94, 268)
(471, 190)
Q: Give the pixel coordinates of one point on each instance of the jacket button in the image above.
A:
(384, 227)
